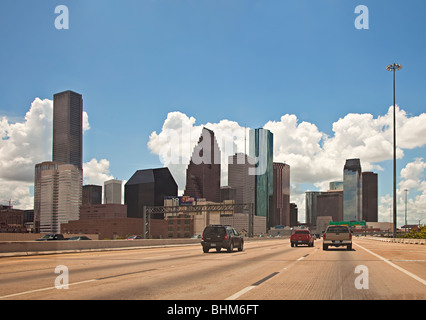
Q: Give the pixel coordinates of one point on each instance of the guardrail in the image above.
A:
(399, 240)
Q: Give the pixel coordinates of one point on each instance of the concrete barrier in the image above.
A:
(27, 248)
(399, 240)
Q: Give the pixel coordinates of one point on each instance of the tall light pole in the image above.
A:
(394, 67)
(406, 198)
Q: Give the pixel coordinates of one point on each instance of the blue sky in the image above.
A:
(249, 61)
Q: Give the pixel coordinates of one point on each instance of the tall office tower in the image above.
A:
(57, 195)
(352, 190)
(261, 143)
(148, 188)
(68, 128)
(293, 215)
(311, 215)
(203, 172)
(330, 204)
(369, 197)
(239, 177)
(112, 191)
(281, 195)
(92, 194)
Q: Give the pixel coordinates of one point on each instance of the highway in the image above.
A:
(265, 270)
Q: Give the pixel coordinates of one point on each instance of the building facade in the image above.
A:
(148, 188)
(261, 142)
(352, 190)
(281, 195)
(92, 194)
(57, 195)
(112, 191)
(240, 179)
(68, 128)
(369, 197)
(204, 170)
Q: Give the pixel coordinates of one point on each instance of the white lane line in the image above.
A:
(43, 289)
(240, 293)
(408, 273)
(247, 289)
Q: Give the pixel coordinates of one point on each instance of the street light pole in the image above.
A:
(394, 67)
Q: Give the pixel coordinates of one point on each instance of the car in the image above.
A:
(337, 236)
(52, 237)
(221, 236)
(77, 238)
(302, 237)
(134, 237)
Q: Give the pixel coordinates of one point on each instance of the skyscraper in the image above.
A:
(239, 177)
(148, 188)
(262, 150)
(57, 195)
(369, 197)
(112, 191)
(203, 172)
(352, 190)
(281, 195)
(58, 184)
(68, 128)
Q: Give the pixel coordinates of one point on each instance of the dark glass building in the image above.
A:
(92, 194)
(262, 150)
(68, 128)
(148, 188)
(369, 197)
(352, 190)
(203, 172)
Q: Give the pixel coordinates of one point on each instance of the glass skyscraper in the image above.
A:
(352, 190)
(262, 150)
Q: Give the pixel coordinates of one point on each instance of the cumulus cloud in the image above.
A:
(96, 172)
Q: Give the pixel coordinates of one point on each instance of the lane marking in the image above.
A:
(73, 284)
(43, 289)
(408, 273)
(254, 285)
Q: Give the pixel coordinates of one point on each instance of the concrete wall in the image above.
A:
(26, 248)
(35, 236)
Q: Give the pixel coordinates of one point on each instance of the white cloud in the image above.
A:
(96, 172)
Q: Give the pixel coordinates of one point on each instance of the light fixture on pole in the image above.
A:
(394, 67)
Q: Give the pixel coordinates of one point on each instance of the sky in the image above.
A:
(154, 72)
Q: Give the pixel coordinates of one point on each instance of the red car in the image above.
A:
(302, 237)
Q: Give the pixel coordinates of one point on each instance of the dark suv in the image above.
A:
(220, 236)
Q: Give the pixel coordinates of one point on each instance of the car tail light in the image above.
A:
(202, 236)
(226, 236)
(323, 236)
(350, 235)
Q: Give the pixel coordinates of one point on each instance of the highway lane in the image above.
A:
(268, 270)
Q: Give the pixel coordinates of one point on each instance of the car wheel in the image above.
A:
(205, 249)
(241, 246)
(324, 247)
(231, 247)
(349, 247)
(218, 249)
(292, 244)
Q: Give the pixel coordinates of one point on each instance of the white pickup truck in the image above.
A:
(337, 236)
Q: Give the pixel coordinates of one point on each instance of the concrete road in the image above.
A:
(265, 270)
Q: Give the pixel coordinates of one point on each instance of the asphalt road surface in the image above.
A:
(265, 270)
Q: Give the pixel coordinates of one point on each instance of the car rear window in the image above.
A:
(209, 231)
(338, 229)
(302, 232)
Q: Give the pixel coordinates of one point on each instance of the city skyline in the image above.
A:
(320, 115)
